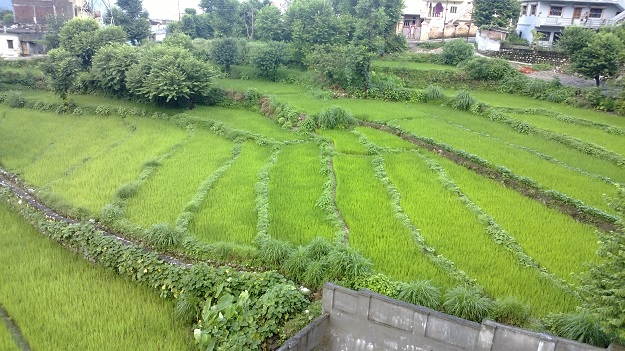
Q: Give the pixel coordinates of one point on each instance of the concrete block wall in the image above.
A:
(365, 320)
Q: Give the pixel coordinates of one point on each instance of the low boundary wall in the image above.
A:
(365, 320)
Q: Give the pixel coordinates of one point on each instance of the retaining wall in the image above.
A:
(365, 320)
(529, 56)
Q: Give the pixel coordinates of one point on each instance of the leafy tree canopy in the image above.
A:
(495, 13)
(61, 68)
(130, 15)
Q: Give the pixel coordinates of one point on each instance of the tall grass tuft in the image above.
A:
(348, 264)
(187, 308)
(421, 292)
(511, 311)
(580, 326)
(335, 118)
(433, 93)
(273, 252)
(163, 236)
(297, 262)
(316, 274)
(318, 248)
(463, 101)
(467, 302)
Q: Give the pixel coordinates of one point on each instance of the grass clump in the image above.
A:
(433, 93)
(163, 236)
(335, 118)
(463, 101)
(421, 292)
(467, 302)
(297, 262)
(273, 252)
(318, 248)
(580, 326)
(511, 311)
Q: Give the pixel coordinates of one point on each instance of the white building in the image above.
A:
(551, 17)
(423, 20)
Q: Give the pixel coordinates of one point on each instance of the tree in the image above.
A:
(110, 66)
(223, 15)
(78, 37)
(225, 51)
(343, 65)
(249, 12)
(603, 285)
(495, 13)
(109, 35)
(130, 15)
(269, 24)
(6, 17)
(168, 75)
(268, 57)
(52, 36)
(592, 54)
(61, 68)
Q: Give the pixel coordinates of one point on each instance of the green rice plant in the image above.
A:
(297, 262)
(163, 236)
(274, 252)
(467, 302)
(384, 139)
(318, 248)
(6, 339)
(297, 173)
(228, 211)
(462, 100)
(511, 311)
(421, 292)
(376, 233)
(80, 314)
(345, 142)
(261, 190)
(162, 197)
(433, 93)
(580, 326)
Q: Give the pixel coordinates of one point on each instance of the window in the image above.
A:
(406, 23)
(524, 10)
(555, 11)
(453, 9)
(595, 12)
(10, 44)
(532, 10)
(577, 13)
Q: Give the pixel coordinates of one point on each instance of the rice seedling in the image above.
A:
(87, 188)
(520, 162)
(384, 139)
(373, 230)
(60, 302)
(274, 252)
(345, 142)
(252, 122)
(163, 236)
(166, 193)
(228, 212)
(453, 231)
(554, 240)
(318, 248)
(295, 184)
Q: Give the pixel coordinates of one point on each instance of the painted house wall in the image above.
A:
(5, 51)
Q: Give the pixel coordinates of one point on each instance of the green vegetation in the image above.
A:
(88, 306)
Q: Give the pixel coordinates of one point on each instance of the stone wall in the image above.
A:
(529, 56)
(365, 320)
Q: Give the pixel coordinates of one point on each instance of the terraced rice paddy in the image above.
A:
(415, 214)
(61, 302)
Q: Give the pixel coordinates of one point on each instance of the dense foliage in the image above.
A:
(130, 15)
(495, 13)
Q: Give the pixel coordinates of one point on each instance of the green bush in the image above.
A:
(421, 292)
(15, 99)
(456, 51)
(267, 58)
(433, 93)
(482, 68)
(467, 302)
(318, 248)
(163, 236)
(511, 311)
(127, 191)
(335, 118)
(462, 100)
(378, 283)
(580, 326)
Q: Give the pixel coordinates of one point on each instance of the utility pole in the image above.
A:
(445, 18)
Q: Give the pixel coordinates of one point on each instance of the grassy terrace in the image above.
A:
(166, 193)
(453, 230)
(420, 66)
(228, 212)
(295, 185)
(61, 302)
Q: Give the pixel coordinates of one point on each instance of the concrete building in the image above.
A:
(17, 42)
(37, 11)
(424, 20)
(551, 17)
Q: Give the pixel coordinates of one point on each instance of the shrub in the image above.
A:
(580, 326)
(335, 118)
(489, 69)
(421, 292)
(462, 100)
(378, 283)
(225, 51)
(15, 99)
(456, 51)
(102, 110)
(395, 43)
(273, 252)
(467, 302)
(163, 236)
(511, 311)
(433, 93)
(267, 58)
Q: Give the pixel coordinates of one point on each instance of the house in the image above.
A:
(550, 17)
(20, 41)
(424, 20)
(158, 30)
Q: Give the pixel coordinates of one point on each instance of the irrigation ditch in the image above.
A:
(525, 189)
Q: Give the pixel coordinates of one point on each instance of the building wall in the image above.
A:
(37, 11)
(5, 51)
